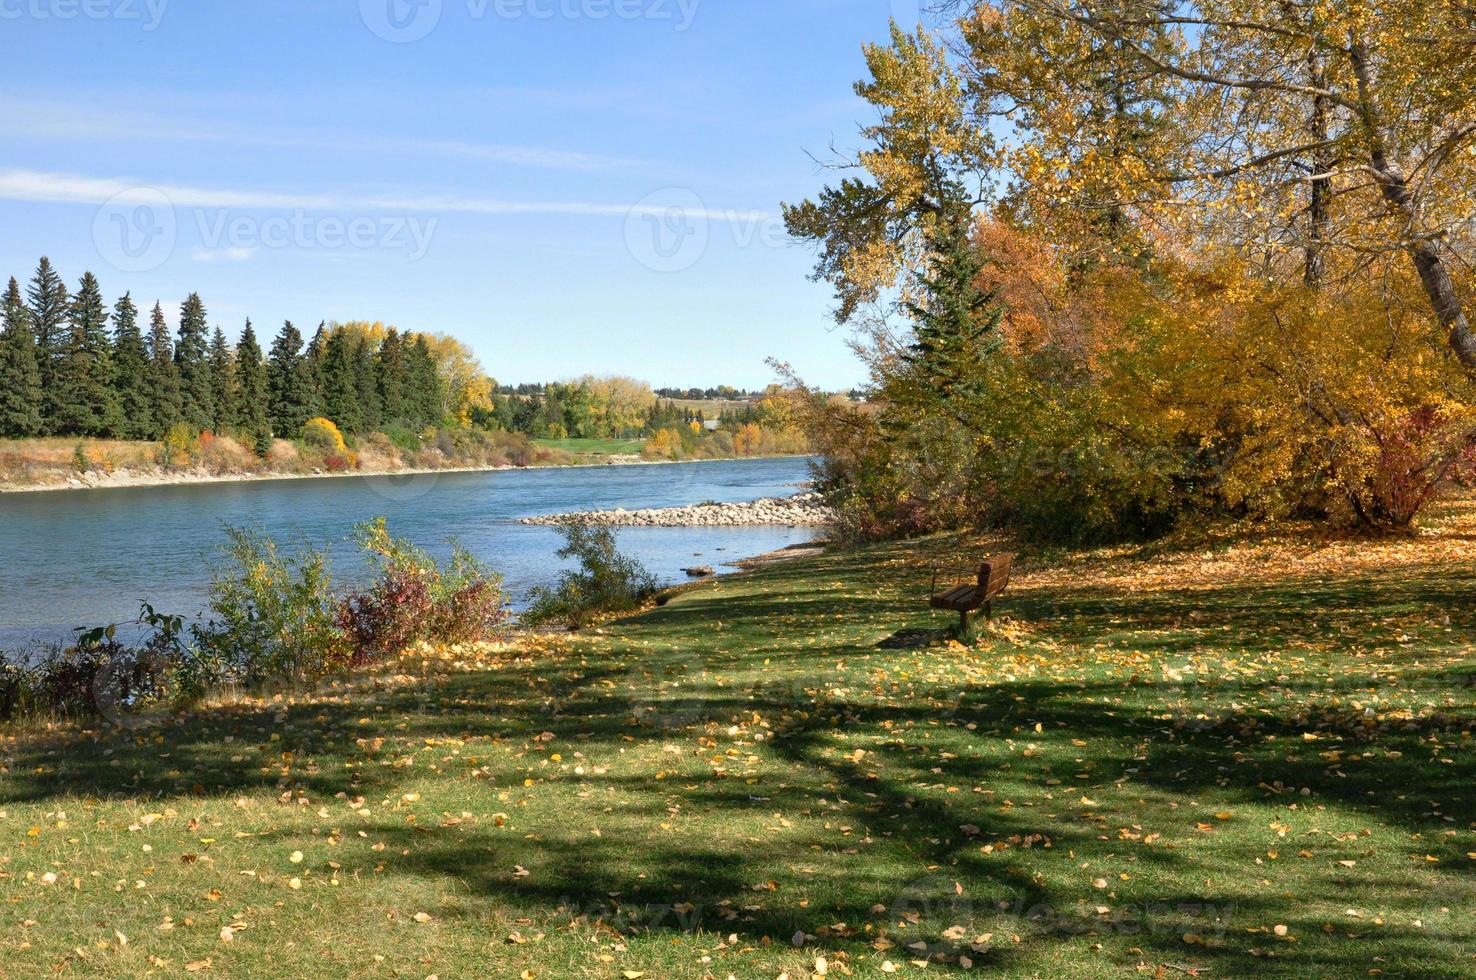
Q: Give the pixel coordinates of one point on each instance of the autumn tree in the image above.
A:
(1334, 136)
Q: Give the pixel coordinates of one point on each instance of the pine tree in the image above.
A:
(389, 369)
(87, 404)
(163, 375)
(49, 304)
(289, 383)
(132, 384)
(20, 374)
(253, 415)
(222, 381)
(366, 378)
(192, 357)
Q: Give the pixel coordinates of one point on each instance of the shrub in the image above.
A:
(98, 676)
(261, 443)
(271, 616)
(322, 434)
(403, 437)
(607, 582)
(180, 447)
(415, 600)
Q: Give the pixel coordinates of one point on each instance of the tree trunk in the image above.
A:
(1434, 274)
(1321, 189)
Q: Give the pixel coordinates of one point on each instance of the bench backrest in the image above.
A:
(994, 574)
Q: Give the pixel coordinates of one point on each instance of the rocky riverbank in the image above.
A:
(801, 510)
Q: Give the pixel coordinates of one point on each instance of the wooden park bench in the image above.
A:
(967, 599)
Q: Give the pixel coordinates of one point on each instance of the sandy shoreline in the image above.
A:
(190, 478)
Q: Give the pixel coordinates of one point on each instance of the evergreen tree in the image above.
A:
(316, 354)
(389, 369)
(289, 383)
(426, 395)
(87, 403)
(222, 380)
(340, 387)
(163, 375)
(192, 357)
(49, 305)
(132, 384)
(956, 327)
(20, 374)
(366, 378)
(253, 413)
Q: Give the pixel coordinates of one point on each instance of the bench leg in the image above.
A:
(965, 630)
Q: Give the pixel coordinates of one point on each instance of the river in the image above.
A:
(75, 558)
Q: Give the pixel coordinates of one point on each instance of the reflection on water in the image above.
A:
(87, 557)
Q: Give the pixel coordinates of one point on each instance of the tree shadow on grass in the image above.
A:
(1174, 741)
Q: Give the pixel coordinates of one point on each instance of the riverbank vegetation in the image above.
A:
(1119, 268)
(1247, 753)
(275, 620)
(87, 390)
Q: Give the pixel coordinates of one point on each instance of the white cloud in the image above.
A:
(61, 121)
(62, 188)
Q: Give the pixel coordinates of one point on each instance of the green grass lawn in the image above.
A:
(1231, 758)
(595, 447)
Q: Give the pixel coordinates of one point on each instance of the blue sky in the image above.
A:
(569, 185)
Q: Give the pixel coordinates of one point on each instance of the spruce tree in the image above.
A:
(389, 369)
(340, 388)
(289, 383)
(956, 327)
(426, 394)
(87, 404)
(49, 305)
(366, 378)
(313, 358)
(192, 357)
(20, 374)
(163, 375)
(132, 384)
(253, 415)
(222, 381)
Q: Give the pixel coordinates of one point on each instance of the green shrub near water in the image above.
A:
(271, 615)
(274, 619)
(606, 582)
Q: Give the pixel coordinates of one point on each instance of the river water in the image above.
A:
(88, 557)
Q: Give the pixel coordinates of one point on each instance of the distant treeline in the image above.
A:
(720, 393)
(69, 366)
(613, 408)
